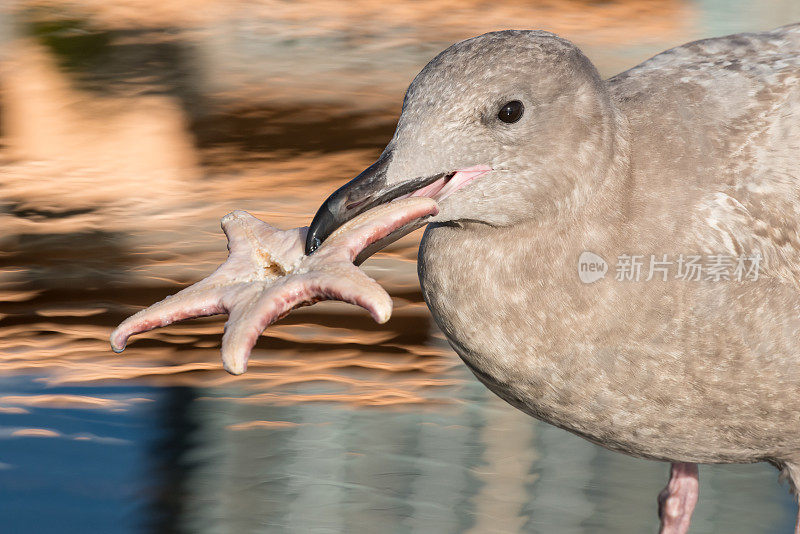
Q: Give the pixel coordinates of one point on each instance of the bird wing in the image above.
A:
(758, 209)
(761, 222)
(761, 54)
(727, 126)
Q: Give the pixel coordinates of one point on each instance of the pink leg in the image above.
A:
(797, 525)
(676, 502)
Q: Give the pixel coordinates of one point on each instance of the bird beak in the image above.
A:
(364, 192)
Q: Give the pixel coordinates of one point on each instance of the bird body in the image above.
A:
(690, 158)
(707, 144)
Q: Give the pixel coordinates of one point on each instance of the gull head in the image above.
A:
(500, 128)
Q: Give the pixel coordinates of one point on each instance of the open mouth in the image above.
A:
(369, 189)
(450, 183)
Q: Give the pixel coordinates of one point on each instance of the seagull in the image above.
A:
(675, 185)
(534, 160)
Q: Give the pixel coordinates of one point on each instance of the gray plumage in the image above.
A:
(693, 152)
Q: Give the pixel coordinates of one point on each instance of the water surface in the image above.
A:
(127, 129)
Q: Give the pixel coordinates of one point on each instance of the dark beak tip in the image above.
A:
(363, 192)
(321, 227)
(312, 246)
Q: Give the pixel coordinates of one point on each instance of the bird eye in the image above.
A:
(511, 112)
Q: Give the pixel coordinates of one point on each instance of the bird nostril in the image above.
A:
(354, 205)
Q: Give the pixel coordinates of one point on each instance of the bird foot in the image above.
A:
(676, 502)
(267, 275)
(797, 525)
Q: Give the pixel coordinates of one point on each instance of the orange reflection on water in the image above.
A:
(35, 433)
(363, 364)
(63, 401)
(130, 128)
(272, 425)
(421, 20)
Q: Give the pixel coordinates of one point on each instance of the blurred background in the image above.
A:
(128, 128)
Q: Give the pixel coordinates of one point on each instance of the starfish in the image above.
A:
(267, 275)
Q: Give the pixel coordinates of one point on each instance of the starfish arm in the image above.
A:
(198, 300)
(253, 311)
(247, 319)
(359, 233)
(348, 283)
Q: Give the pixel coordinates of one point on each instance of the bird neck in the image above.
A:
(502, 294)
(598, 173)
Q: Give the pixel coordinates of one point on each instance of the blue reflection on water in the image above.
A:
(85, 477)
(181, 459)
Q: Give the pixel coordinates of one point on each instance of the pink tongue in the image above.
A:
(460, 179)
(441, 188)
(429, 190)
